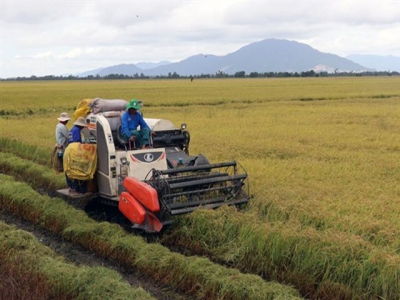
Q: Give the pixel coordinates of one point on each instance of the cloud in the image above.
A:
(132, 13)
(74, 36)
(38, 13)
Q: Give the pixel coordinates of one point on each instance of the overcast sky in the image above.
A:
(53, 37)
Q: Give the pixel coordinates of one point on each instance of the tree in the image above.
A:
(240, 74)
(310, 73)
(220, 74)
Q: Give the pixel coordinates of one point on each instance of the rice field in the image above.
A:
(322, 156)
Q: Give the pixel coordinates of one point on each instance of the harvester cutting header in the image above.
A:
(152, 181)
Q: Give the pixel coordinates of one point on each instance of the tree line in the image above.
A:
(219, 74)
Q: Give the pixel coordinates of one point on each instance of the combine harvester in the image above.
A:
(150, 186)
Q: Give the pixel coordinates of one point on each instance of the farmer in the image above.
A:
(75, 185)
(130, 121)
(75, 133)
(62, 138)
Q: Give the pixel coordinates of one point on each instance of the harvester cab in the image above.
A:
(150, 186)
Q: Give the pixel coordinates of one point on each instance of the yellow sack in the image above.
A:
(80, 161)
(83, 108)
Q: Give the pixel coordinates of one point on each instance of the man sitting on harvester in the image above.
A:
(130, 121)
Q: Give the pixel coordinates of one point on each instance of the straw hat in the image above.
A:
(80, 122)
(63, 117)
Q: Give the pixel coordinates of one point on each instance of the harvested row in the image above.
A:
(38, 176)
(194, 276)
(24, 150)
(30, 270)
(320, 264)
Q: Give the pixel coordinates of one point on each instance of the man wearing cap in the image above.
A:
(62, 138)
(130, 121)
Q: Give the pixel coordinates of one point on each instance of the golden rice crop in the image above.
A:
(321, 153)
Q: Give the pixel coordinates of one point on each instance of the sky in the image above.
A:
(54, 37)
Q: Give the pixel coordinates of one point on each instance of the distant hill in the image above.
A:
(125, 69)
(377, 62)
(270, 55)
(88, 73)
(150, 65)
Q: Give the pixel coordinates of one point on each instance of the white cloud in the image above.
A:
(44, 37)
(37, 13)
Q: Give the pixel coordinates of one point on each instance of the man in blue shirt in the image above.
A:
(130, 121)
(75, 133)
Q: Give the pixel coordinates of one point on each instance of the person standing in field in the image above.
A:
(130, 121)
(62, 135)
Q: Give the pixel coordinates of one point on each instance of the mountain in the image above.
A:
(89, 73)
(270, 55)
(150, 65)
(377, 62)
(125, 69)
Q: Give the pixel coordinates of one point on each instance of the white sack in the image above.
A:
(101, 105)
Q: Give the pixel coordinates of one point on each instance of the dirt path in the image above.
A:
(80, 256)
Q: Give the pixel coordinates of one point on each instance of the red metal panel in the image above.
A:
(143, 192)
(131, 208)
